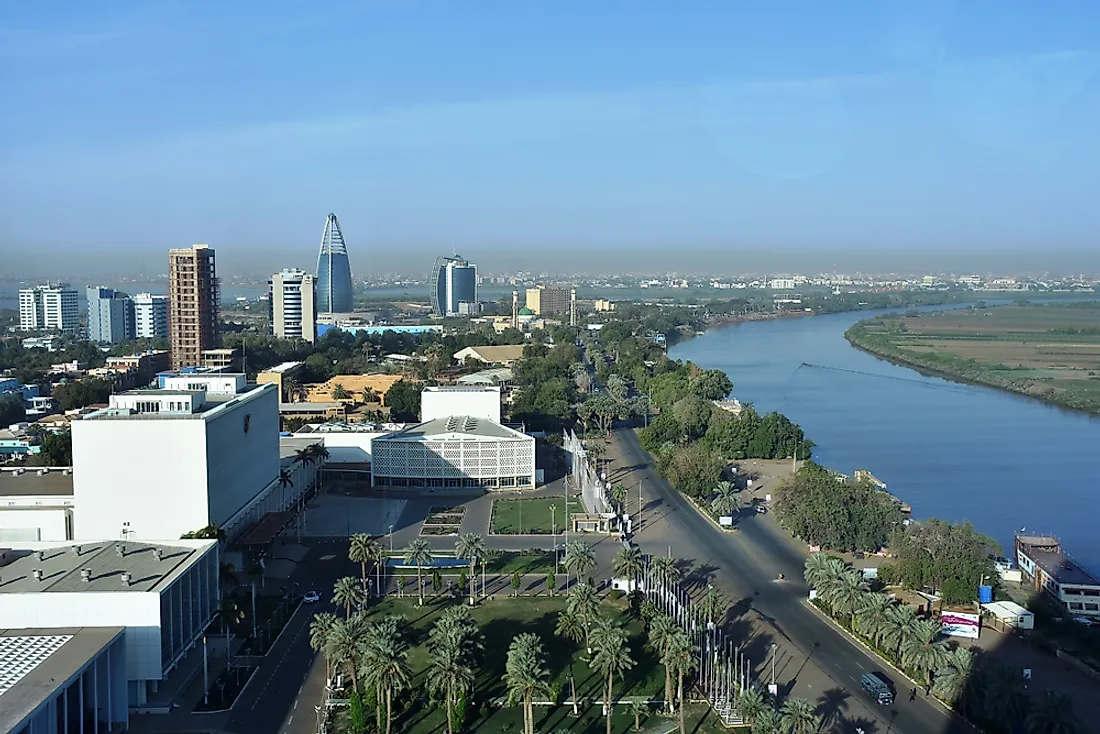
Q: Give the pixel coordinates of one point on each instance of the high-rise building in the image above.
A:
(334, 290)
(110, 316)
(150, 316)
(50, 306)
(547, 300)
(192, 304)
(453, 282)
(292, 305)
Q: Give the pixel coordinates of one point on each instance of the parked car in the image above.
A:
(1086, 621)
(311, 597)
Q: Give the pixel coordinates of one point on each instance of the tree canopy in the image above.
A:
(949, 559)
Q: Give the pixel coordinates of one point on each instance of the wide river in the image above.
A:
(952, 451)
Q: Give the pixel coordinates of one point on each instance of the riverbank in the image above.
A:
(1048, 352)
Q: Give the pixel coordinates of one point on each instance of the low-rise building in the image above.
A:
(218, 359)
(310, 412)
(145, 364)
(49, 343)
(281, 375)
(36, 504)
(505, 355)
(1050, 570)
(18, 443)
(163, 594)
(443, 401)
(501, 376)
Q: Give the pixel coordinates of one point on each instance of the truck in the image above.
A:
(879, 687)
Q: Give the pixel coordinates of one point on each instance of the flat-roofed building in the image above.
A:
(505, 355)
(218, 359)
(164, 594)
(161, 463)
(36, 504)
(545, 300)
(443, 401)
(61, 680)
(145, 364)
(454, 452)
(281, 375)
(1051, 571)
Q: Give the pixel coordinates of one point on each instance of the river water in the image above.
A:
(952, 451)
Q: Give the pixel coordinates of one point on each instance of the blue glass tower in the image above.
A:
(334, 291)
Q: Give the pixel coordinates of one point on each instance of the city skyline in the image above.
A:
(917, 128)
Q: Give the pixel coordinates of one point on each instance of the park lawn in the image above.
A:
(530, 516)
(503, 619)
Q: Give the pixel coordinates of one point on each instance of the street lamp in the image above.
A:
(772, 689)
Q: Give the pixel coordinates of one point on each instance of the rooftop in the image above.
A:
(1061, 568)
(462, 388)
(309, 408)
(34, 663)
(36, 481)
(213, 402)
(452, 427)
(284, 367)
(503, 353)
(83, 567)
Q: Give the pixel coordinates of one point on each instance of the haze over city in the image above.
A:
(893, 136)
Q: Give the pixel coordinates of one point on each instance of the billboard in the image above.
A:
(960, 624)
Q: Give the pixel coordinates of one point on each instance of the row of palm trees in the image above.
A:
(996, 696)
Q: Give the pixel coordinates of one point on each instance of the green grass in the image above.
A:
(530, 516)
(508, 563)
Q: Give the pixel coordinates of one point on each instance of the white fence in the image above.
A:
(594, 492)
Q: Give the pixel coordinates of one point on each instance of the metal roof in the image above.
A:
(85, 567)
(30, 483)
(453, 427)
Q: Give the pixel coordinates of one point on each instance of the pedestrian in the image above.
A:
(913, 694)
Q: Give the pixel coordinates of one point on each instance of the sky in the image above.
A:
(550, 133)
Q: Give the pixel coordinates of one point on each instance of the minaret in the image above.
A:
(573, 307)
(515, 309)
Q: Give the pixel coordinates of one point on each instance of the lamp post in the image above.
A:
(205, 674)
(772, 689)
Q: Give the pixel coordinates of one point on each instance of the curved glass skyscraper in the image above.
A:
(453, 282)
(334, 292)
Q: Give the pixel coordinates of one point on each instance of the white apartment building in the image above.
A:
(47, 307)
(478, 401)
(292, 305)
(161, 463)
(163, 594)
(150, 316)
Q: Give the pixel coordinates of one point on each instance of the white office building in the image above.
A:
(36, 503)
(47, 307)
(478, 401)
(150, 316)
(110, 315)
(454, 452)
(292, 305)
(160, 463)
(162, 594)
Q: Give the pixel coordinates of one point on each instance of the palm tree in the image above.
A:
(320, 629)
(1004, 698)
(681, 656)
(456, 627)
(711, 605)
(344, 645)
(798, 716)
(872, 616)
(1053, 714)
(571, 628)
(286, 479)
(618, 495)
(612, 656)
(661, 631)
(768, 721)
(750, 704)
(821, 567)
(304, 456)
(360, 551)
(846, 595)
(899, 627)
(526, 675)
(579, 558)
(349, 592)
(471, 547)
(339, 393)
(922, 651)
(448, 674)
(666, 569)
(629, 564)
(419, 552)
(639, 709)
(385, 662)
(954, 675)
(584, 603)
(727, 498)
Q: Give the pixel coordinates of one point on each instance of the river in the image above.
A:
(952, 451)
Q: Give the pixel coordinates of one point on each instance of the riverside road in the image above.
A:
(818, 662)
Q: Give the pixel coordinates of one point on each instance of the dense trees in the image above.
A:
(56, 450)
(546, 386)
(947, 559)
(11, 410)
(403, 400)
(75, 394)
(835, 512)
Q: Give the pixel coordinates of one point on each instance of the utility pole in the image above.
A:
(205, 674)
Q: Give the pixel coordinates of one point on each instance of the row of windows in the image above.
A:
(1077, 606)
(467, 482)
(1077, 591)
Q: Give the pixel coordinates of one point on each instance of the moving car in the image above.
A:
(879, 687)
(311, 597)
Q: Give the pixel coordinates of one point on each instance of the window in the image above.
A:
(1092, 607)
(1075, 605)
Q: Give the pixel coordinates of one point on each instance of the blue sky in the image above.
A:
(491, 125)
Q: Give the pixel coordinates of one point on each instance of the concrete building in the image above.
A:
(453, 282)
(505, 355)
(36, 504)
(145, 364)
(47, 307)
(292, 305)
(501, 376)
(110, 316)
(1050, 570)
(192, 304)
(546, 300)
(454, 452)
(150, 316)
(163, 594)
(62, 680)
(49, 343)
(281, 375)
(218, 359)
(602, 305)
(477, 401)
(161, 463)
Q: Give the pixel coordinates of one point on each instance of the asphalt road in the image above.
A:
(749, 561)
